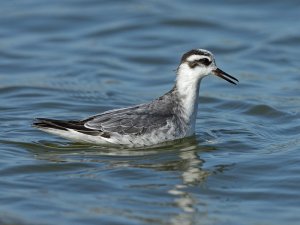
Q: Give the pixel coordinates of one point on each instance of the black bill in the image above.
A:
(225, 76)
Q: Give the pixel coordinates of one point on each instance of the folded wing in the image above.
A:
(135, 120)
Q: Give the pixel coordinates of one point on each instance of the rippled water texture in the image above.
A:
(71, 59)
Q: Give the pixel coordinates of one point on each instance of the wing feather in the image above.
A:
(134, 120)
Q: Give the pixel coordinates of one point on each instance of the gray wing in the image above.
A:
(137, 120)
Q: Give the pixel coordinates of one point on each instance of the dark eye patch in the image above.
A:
(204, 61)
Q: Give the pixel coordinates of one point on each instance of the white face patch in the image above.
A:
(193, 58)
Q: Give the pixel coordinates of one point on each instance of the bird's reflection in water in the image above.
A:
(182, 157)
(192, 174)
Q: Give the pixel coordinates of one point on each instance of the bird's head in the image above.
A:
(198, 63)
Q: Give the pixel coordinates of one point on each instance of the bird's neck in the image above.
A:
(188, 95)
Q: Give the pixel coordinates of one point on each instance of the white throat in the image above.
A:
(188, 83)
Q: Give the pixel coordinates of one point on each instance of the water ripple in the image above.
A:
(71, 59)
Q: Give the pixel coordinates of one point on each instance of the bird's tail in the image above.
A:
(45, 124)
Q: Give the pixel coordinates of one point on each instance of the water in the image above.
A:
(71, 59)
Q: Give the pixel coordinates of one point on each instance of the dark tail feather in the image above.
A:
(64, 125)
(50, 123)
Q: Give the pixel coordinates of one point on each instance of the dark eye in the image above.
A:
(204, 61)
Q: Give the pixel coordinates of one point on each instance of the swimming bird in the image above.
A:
(169, 117)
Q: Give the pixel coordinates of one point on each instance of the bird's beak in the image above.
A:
(225, 76)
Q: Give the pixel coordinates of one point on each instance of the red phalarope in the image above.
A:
(169, 117)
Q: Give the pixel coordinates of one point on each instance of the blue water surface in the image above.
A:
(69, 59)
